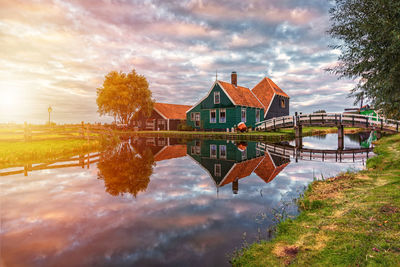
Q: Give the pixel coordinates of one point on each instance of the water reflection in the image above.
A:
(167, 203)
(228, 161)
(125, 169)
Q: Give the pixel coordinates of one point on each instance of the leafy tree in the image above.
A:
(124, 170)
(369, 34)
(123, 95)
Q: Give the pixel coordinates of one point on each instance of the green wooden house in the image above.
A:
(227, 104)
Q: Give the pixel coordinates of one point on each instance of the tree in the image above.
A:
(123, 95)
(369, 40)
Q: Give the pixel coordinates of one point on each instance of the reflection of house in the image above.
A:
(227, 162)
(228, 104)
(170, 152)
(163, 117)
(162, 148)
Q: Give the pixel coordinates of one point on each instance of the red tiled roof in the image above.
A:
(265, 90)
(172, 111)
(171, 152)
(267, 171)
(241, 170)
(241, 95)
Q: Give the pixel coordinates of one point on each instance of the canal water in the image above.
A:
(155, 202)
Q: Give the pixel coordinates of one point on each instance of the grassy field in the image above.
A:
(20, 153)
(349, 220)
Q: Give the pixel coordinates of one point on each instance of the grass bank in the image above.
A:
(20, 153)
(349, 220)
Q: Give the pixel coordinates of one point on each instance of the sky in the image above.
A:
(58, 52)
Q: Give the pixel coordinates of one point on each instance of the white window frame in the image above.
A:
(192, 116)
(220, 154)
(245, 114)
(258, 115)
(211, 149)
(244, 154)
(219, 97)
(215, 111)
(222, 110)
(197, 118)
(217, 170)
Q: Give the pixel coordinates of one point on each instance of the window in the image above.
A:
(222, 151)
(243, 114)
(216, 98)
(222, 115)
(282, 103)
(197, 148)
(258, 115)
(192, 116)
(213, 116)
(197, 119)
(244, 154)
(213, 151)
(217, 170)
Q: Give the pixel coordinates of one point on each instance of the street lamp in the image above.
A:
(49, 110)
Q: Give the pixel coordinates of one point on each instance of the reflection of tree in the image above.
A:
(124, 170)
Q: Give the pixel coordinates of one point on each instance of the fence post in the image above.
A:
(87, 132)
(25, 131)
(83, 129)
(381, 124)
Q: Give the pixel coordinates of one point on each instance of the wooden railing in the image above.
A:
(316, 154)
(75, 161)
(330, 119)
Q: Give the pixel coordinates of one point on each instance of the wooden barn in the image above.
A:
(227, 104)
(163, 117)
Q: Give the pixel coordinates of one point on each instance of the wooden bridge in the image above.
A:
(339, 120)
(330, 120)
(287, 151)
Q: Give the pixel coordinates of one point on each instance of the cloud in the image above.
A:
(58, 52)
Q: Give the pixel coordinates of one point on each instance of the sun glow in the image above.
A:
(8, 99)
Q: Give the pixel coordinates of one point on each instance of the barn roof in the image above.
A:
(265, 91)
(240, 95)
(172, 111)
(170, 152)
(240, 170)
(267, 170)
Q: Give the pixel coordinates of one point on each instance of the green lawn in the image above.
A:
(20, 153)
(349, 220)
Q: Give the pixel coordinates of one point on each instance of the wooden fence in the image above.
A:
(28, 132)
(75, 161)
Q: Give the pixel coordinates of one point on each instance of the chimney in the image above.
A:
(234, 78)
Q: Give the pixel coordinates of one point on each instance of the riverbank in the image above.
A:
(349, 220)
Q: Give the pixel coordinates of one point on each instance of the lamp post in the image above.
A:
(49, 110)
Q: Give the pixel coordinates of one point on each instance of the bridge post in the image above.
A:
(340, 137)
(299, 136)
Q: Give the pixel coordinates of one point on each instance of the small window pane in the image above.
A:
(243, 115)
(222, 116)
(213, 151)
(216, 98)
(213, 116)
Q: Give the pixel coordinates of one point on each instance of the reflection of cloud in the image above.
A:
(64, 217)
(58, 52)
